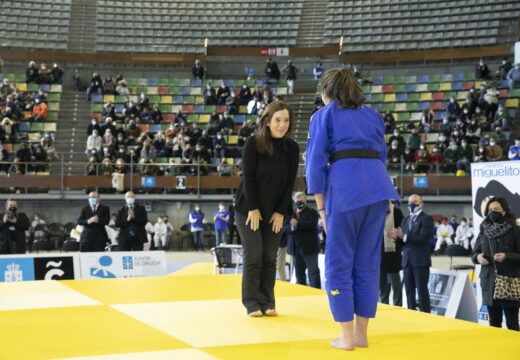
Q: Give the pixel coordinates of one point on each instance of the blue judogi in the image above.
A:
(356, 193)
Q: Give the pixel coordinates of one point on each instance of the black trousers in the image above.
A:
(130, 244)
(91, 246)
(416, 279)
(304, 262)
(259, 277)
(388, 282)
(232, 231)
(495, 317)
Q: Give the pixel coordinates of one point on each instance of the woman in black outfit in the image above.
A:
(500, 230)
(270, 163)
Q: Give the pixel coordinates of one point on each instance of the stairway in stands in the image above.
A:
(82, 26)
(312, 23)
(71, 135)
(303, 106)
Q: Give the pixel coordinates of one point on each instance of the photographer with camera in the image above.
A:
(13, 226)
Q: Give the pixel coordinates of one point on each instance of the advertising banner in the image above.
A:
(39, 267)
(122, 264)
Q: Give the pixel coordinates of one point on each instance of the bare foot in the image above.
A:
(340, 343)
(256, 313)
(361, 341)
(271, 312)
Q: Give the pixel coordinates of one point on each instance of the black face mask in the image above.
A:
(300, 205)
(12, 210)
(496, 216)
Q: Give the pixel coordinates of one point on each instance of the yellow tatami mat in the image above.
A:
(194, 316)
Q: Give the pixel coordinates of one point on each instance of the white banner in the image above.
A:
(122, 264)
(500, 179)
(39, 267)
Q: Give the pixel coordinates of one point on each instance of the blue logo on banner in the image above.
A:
(128, 263)
(148, 182)
(13, 269)
(420, 181)
(101, 272)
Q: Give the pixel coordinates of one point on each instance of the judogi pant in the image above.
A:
(353, 260)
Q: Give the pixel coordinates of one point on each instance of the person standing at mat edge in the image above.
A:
(263, 199)
(346, 172)
(93, 218)
(131, 220)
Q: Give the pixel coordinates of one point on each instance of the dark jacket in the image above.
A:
(139, 222)
(416, 249)
(305, 236)
(94, 232)
(508, 244)
(391, 261)
(7, 246)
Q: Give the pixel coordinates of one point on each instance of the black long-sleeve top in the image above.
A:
(267, 181)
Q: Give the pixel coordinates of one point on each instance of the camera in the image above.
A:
(11, 212)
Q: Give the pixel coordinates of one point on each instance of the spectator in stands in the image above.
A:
(444, 234)
(214, 124)
(94, 142)
(224, 169)
(6, 88)
(427, 119)
(24, 155)
(40, 156)
(253, 106)
(490, 103)
(4, 164)
(318, 71)
(222, 94)
(31, 73)
(107, 125)
(107, 153)
(133, 131)
(436, 158)
(95, 87)
(500, 138)
(39, 111)
(122, 88)
(201, 153)
(13, 226)
(514, 150)
(198, 70)
(108, 138)
(109, 86)
(156, 116)
(196, 220)
(131, 110)
(394, 154)
(7, 130)
(400, 140)
(232, 103)
(463, 234)
(290, 72)
(414, 141)
(221, 220)
(513, 76)
(451, 156)
(493, 151)
(422, 157)
(37, 220)
(57, 74)
(106, 168)
(496, 249)
(453, 222)
(504, 68)
(219, 146)
(446, 128)
(453, 108)
(502, 120)
(409, 160)
(245, 95)
(44, 75)
(467, 156)
(482, 71)
(227, 125)
(272, 72)
(210, 98)
(480, 154)
(389, 122)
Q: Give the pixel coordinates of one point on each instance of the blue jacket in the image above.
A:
(348, 183)
(219, 223)
(199, 217)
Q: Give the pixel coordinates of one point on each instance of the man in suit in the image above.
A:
(414, 235)
(93, 218)
(305, 245)
(131, 221)
(13, 225)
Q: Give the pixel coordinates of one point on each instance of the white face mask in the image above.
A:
(197, 208)
(492, 143)
(394, 147)
(517, 142)
(222, 208)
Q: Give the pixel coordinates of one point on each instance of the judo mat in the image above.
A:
(192, 314)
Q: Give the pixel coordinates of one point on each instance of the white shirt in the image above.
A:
(160, 229)
(444, 230)
(94, 143)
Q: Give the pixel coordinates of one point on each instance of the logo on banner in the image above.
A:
(104, 262)
(128, 263)
(54, 268)
(420, 181)
(16, 269)
(148, 182)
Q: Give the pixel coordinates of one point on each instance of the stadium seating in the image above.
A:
(35, 24)
(390, 25)
(181, 26)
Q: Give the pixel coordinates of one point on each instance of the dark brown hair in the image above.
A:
(341, 86)
(508, 217)
(264, 142)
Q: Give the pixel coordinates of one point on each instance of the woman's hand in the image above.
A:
(500, 257)
(323, 220)
(253, 219)
(277, 221)
(482, 260)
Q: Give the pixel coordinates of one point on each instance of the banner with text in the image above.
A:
(124, 264)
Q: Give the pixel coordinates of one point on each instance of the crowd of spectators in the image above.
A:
(479, 130)
(17, 106)
(117, 143)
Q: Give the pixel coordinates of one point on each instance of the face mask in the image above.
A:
(130, 201)
(495, 216)
(477, 111)
(221, 208)
(481, 150)
(421, 147)
(455, 133)
(445, 121)
(93, 123)
(197, 208)
(394, 147)
(517, 142)
(465, 111)
(92, 201)
(396, 133)
(462, 223)
(219, 137)
(94, 134)
(12, 209)
(464, 144)
(492, 143)
(413, 207)
(453, 147)
(300, 205)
